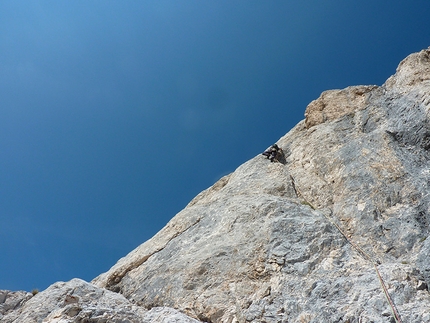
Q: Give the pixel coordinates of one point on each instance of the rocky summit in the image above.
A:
(335, 231)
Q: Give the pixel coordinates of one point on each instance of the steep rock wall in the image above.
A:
(254, 247)
(316, 239)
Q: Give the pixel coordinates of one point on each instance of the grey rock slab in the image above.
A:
(166, 315)
(77, 301)
(334, 233)
(269, 241)
(10, 301)
(423, 264)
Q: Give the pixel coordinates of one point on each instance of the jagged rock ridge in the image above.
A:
(276, 242)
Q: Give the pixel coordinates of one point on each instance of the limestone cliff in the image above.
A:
(337, 233)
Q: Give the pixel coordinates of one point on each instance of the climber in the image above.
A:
(273, 153)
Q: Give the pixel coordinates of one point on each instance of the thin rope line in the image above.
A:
(394, 311)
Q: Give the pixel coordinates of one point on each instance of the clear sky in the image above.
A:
(115, 114)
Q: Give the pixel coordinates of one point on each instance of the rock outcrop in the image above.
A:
(79, 301)
(339, 233)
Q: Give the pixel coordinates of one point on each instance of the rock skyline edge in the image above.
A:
(275, 242)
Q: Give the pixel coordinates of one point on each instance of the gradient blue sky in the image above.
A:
(115, 114)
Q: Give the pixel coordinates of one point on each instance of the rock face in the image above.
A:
(333, 104)
(80, 302)
(305, 241)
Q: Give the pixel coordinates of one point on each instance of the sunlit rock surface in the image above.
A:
(302, 241)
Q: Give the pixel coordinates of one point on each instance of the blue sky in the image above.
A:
(115, 114)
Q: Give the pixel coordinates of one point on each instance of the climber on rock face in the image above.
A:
(272, 152)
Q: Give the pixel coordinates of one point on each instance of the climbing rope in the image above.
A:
(366, 256)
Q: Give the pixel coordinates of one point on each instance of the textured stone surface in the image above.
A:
(166, 315)
(10, 301)
(334, 104)
(293, 242)
(252, 248)
(77, 302)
